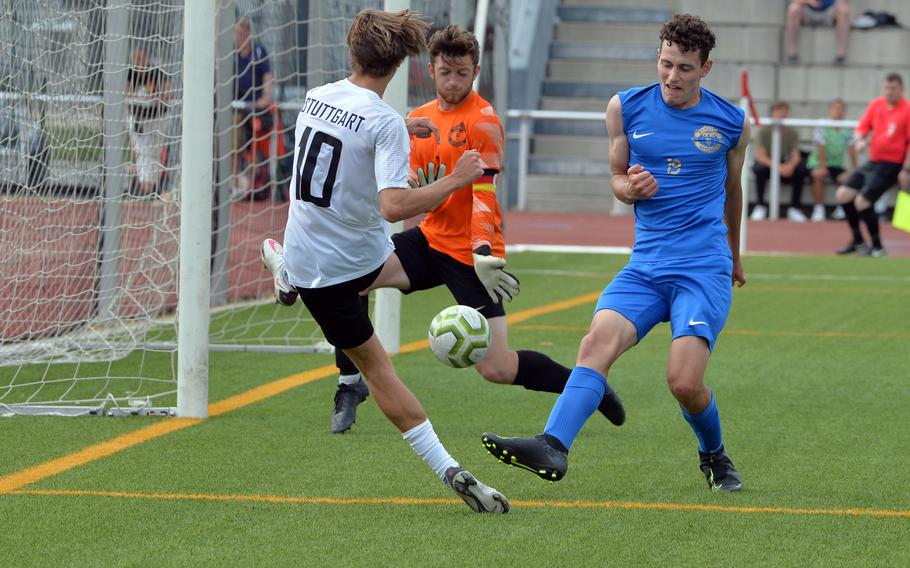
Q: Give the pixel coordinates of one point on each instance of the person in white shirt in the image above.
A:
(351, 173)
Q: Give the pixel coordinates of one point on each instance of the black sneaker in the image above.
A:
(611, 407)
(861, 249)
(720, 472)
(347, 397)
(533, 454)
(479, 497)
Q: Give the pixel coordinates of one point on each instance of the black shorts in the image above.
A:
(873, 179)
(427, 268)
(340, 310)
(834, 172)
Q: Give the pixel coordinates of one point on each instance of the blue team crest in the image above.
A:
(708, 139)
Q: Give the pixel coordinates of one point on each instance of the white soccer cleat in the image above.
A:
(272, 254)
(479, 497)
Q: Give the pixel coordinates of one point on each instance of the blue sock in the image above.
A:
(578, 401)
(706, 426)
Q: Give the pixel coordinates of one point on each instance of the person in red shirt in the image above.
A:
(888, 119)
(459, 243)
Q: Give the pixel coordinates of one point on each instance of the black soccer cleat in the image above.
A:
(533, 454)
(612, 408)
(347, 397)
(720, 472)
(479, 497)
(861, 249)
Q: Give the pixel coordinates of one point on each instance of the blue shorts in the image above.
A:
(693, 294)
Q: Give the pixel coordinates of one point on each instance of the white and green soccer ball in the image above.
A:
(459, 336)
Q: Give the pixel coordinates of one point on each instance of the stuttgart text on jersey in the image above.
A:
(333, 114)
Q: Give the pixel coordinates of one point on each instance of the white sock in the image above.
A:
(349, 379)
(426, 444)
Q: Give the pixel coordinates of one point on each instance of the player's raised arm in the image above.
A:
(629, 184)
(398, 204)
(733, 206)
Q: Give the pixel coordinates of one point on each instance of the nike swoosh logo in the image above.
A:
(636, 135)
(693, 322)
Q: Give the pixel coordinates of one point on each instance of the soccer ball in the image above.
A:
(459, 336)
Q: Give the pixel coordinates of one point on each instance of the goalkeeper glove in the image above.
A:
(500, 285)
(431, 175)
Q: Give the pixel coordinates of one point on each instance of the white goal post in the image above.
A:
(136, 184)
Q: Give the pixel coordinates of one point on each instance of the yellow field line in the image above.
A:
(635, 505)
(746, 332)
(94, 452)
(161, 428)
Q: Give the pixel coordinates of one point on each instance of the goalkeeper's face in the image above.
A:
(680, 74)
(453, 77)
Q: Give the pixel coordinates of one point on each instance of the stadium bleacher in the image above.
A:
(600, 47)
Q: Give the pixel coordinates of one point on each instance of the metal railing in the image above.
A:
(526, 118)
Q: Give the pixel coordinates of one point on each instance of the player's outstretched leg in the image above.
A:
(539, 372)
(272, 254)
(719, 471)
(479, 497)
(540, 455)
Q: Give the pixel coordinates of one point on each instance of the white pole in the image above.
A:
(480, 30)
(196, 159)
(387, 311)
(774, 198)
(524, 149)
(746, 180)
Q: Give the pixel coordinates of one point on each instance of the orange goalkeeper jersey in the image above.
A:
(470, 217)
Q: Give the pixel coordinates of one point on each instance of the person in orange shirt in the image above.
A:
(459, 243)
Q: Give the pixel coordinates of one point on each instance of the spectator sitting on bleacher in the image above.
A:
(792, 169)
(827, 158)
(818, 12)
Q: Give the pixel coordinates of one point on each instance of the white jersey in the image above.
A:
(349, 146)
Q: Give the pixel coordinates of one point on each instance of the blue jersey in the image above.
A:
(686, 152)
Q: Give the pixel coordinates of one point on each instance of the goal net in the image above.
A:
(91, 109)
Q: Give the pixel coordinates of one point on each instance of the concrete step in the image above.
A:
(569, 193)
(761, 13)
(884, 48)
(625, 51)
(566, 166)
(574, 103)
(592, 32)
(609, 14)
(583, 89)
(632, 72)
(746, 43)
(658, 4)
(586, 147)
(574, 128)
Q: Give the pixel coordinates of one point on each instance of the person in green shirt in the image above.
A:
(827, 158)
(792, 169)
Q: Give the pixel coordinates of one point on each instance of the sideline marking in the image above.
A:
(635, 505)
(30, 475)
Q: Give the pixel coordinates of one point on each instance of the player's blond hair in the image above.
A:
(379, 41)
(452, 42)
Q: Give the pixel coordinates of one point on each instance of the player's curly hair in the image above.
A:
(689, 33)
(452, 42)
(379, 41)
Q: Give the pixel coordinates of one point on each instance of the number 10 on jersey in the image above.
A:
(308, 157)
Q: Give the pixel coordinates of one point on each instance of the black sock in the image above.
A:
(870, 218)
(538, 372)
(853, 220)
(344, 364)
